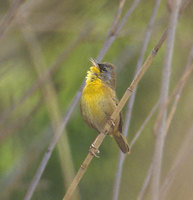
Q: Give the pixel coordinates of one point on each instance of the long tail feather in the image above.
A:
(122, 142)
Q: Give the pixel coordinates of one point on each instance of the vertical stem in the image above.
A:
(160, 140)
(131, 102)
(51, 101)
(98, 141)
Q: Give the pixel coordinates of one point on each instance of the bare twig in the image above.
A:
(160, 140)
(185, 150)
(174, 106)
(10, 16)
(176, 92)
(159, 117)
(179, 87)
(45, 76)
(13, 127)
(138, 133)
(99, 139)
(63, 124)
(146, 182)
(51, 101)
(115, 29)
(168, 181)
(131, 102)
(116, 19)
(187, 72)
(50, 149)
(11, 180)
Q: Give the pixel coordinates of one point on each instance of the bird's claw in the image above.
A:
(111, 122)
(94, 151)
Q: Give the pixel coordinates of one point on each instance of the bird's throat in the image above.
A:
(93, 75)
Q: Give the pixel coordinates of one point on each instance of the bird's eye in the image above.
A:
(104, 69)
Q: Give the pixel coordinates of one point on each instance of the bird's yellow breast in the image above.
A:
(95, 96)
(97, 102)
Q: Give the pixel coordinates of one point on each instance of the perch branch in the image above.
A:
(99, 139)
(53, 142)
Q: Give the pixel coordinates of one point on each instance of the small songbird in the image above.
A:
(98, 102)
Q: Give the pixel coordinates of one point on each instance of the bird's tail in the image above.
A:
(122, 142)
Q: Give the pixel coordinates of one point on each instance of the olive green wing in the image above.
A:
(121, 118)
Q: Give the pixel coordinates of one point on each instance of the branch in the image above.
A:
(144, 124)
(180, 86)
(99, 139)
(146, 182)
(131, 102)
(168, 181)
(115, 28)
(160, 140)
(9, 183)
(13, 127)
(44, 76)
(47, 155)
(10, 16)
(51, 102)
(188, 70)
(185, 150)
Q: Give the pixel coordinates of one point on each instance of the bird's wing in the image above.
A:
(121, 120)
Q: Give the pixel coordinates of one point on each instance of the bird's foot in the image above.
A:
(94, 151)
(111, 122)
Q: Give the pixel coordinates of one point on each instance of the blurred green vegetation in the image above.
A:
(57, 24)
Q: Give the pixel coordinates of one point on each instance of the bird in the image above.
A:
(98, 102)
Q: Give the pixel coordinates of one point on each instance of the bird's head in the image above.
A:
(104, 71)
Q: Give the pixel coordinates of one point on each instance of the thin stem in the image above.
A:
(44, 76)
(47, 155)
(10, 182)
(185, 150)
(131, 102)
(99, 139)
(51, 101)
(10, 16)
(188, 70)
(138, 133)
(115, 29)
(13, 127)
(160, 140)
(159, 117)
(168, 181)
(146, 182)
(122, 156)
(180, 86)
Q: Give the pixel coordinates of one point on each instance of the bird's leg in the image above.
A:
(111, 122)
(93, 150)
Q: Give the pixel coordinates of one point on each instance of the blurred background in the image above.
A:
(60, 36)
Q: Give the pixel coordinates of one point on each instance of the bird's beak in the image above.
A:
(93, 62)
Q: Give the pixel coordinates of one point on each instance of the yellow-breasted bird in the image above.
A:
(98, 101)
